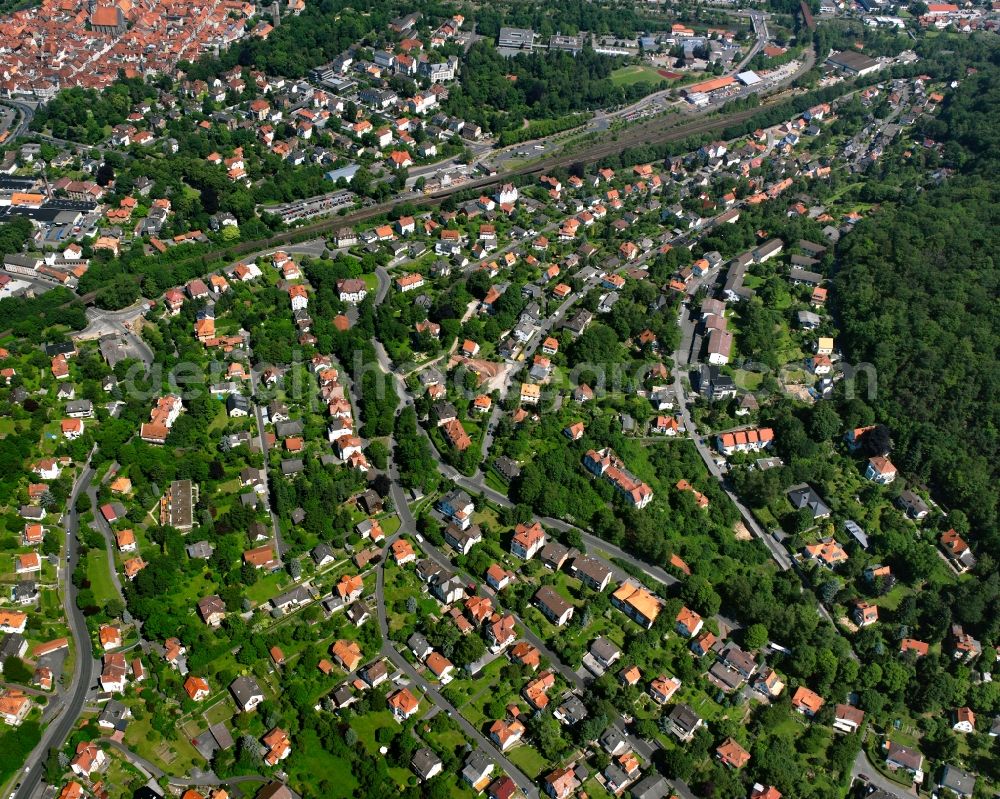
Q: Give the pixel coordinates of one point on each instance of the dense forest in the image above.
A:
(563, 16)
(917, 288)
(546, 85)
(323, 30)
(79, 114)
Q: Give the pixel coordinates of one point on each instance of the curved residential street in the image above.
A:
(72, 695)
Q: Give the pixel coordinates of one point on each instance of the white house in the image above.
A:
(352, 290)
(880, 470)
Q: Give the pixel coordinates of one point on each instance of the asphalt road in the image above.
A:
(862, 766)
(57, 732)
(431, 693)
(279, 546)
(26, 112)
(645, 749)
(84, 667)
(101, 322)
(408, 526)
(684, 360)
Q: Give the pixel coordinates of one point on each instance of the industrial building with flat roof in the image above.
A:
(853, 63)
(513, 40)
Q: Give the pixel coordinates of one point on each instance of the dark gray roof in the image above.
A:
(25, 590)
(553, 552)
(243, 688)
(424, 760)
(222, 735)
(684, 718)
(612, 739)
(552, 601)
(357, 612)
(605, 649)
(297, 595)
(321, 552)
(237, 402)
(653, 787)
(475, 764)
(905, 756)
(803, 496)
(808, 318)
(290, 428)
(955, 779)
(11, 645)
(724, 677)
(803, 261)
(60, 348)
(200, 549)
(811, 247)
(507, 468)
(343, 696)
(911, 500)
(805, 276)
(573, 710)
(738, 659)
(591, 568)
(114, 715)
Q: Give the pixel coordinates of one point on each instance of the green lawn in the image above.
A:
(100, 577)
(390, 524)
(891, 600)
(366, 727)
(448, 740)
(626, 76)
(267, 587)
(748, 380)
(528, 759)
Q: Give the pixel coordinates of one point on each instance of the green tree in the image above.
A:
(698, 594)
(755, 636)
(824, 422)
(15, 671)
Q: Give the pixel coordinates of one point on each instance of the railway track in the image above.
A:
(647, 133)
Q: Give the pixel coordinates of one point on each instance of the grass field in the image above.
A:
(100, 577)
(267, 587)
(390, 525)
(528, 759)
(366, 727)
(450, 739)
(626, 76)
(595, 790)
(748, 380)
